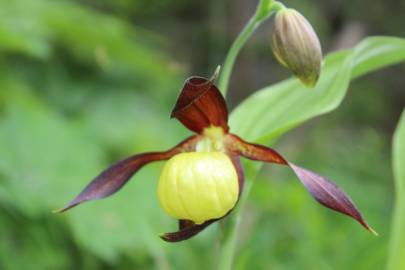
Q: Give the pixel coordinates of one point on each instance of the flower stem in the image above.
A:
(263, 12)
(234, 220)
(230, 236)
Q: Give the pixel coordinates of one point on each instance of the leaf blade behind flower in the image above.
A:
(270, 112)
(397, 243)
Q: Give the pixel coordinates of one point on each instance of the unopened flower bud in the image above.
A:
(296, 45)
(198, 186)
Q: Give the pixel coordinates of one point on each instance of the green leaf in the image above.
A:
(396, 258)
(46, 160)
(40, 28)
(128, 222)
(275, 109)
(33, 243)
(43, 155)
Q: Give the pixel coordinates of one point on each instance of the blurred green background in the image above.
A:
(86, 83)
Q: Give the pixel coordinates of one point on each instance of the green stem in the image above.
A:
(263, 11)
(230, 236)
(233, 222)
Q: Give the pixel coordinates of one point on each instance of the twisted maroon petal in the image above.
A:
(201, 105)
(329, 194)
(116, 176)
(253, 151)
(186, 231)
(323, 190)
(185, 223)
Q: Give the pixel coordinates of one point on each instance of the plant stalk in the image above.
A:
(263, 11)
(231, 231)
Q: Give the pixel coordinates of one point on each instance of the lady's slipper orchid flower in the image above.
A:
(203, 178)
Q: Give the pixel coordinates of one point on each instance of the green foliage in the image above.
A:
(397, 249)
(70, 103)
(36, 28)
(272, 111)
(81, 88)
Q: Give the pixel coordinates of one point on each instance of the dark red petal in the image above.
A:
(329, 194)
(324, 191)
(252, 151)
(116, 176)
(186, 232)
(201, 105)
(185, 223)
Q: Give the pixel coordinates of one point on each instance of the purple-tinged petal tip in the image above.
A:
(115, 177)
(323, 190)
(329, 194)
